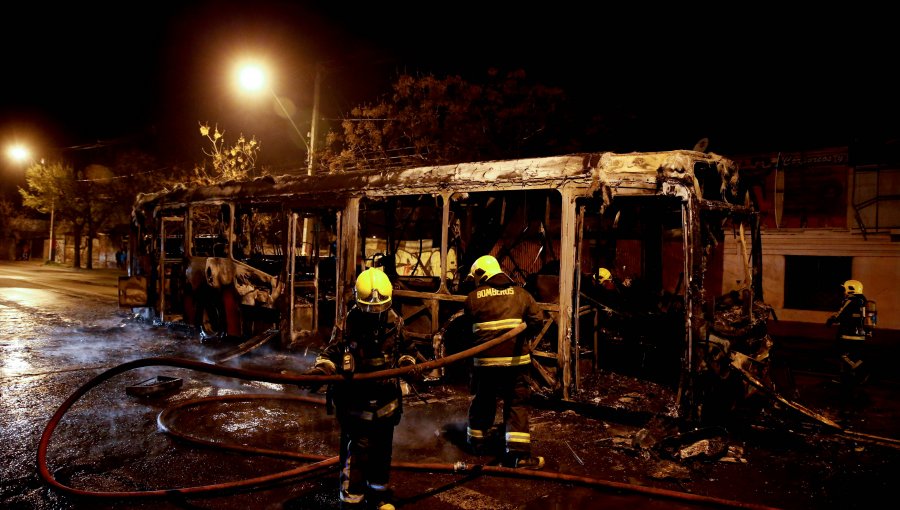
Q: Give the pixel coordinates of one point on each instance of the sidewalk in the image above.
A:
(40, 263)
(100, 276)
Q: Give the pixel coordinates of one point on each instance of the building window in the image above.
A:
(875, 198)
(815, 283)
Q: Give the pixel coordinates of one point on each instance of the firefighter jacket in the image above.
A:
(851, 318)
(495, 307)
(369, 342)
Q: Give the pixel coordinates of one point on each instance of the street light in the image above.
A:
(20, 154)
(253, 77)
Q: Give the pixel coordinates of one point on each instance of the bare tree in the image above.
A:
(224, 162)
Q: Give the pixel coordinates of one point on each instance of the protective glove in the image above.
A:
(413, 375)
(313, 387)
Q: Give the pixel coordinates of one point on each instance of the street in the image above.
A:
(120, 445)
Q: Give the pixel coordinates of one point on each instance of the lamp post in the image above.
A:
(20, 153)
(252, 77)
(52, 254)
(314, 122)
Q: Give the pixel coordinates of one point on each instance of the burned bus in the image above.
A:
(277, 258)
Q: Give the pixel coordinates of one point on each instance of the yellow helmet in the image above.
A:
(373, 291)
(602, 275)
(853, 287)
(484, 268)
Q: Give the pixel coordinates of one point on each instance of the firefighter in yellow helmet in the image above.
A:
(372, 339)
(602, 276)
(496, 305)
(853, 328)
(605, 290)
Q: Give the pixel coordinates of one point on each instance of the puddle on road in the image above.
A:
(32, 348)
(110, 440)
(272, 423)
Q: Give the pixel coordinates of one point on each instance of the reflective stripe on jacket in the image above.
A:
(851, 318)
(382, 412)
(495, 307)
(374, 341)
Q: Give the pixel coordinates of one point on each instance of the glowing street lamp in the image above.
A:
(18, 153)
(252, 77)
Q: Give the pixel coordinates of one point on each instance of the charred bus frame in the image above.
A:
(280, 255)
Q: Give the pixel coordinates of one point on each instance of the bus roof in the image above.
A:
(626, 173)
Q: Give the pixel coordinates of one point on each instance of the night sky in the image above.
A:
(77, 74)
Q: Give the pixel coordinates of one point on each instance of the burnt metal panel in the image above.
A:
(630, 173)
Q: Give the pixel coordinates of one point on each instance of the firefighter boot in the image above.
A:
(380, 500)
(853, 364)
(530, 462)
(382, 505)
(477, 446)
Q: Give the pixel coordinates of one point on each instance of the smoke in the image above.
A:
(429, 428)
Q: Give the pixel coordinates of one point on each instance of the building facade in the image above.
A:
(826, 219)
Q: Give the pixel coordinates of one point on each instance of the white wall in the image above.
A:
(876, 263)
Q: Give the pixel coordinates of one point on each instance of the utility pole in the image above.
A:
(314, 122)
(311, 157)
(52, 236)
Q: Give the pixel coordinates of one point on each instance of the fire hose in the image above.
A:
(321, 462)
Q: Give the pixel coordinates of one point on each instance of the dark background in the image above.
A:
(660, 77)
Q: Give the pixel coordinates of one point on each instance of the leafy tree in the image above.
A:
(99, 204)
(8, 215)
(430, 120)
(137, 170)
(95, 199)
(224, 162)
(99, 197)
(53, 188)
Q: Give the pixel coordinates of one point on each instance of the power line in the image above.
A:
(122, 176)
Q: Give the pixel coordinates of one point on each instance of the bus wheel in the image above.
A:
(212, 321)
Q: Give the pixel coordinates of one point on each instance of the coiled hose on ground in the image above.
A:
(320, 462)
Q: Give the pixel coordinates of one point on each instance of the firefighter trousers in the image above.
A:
(365, 457)
(510, 385)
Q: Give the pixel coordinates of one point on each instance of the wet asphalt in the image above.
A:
(192, 445)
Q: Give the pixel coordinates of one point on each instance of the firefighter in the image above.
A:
(607, 289)
(602, 276)
(367, 412)
(852, 331)
(495, 306)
